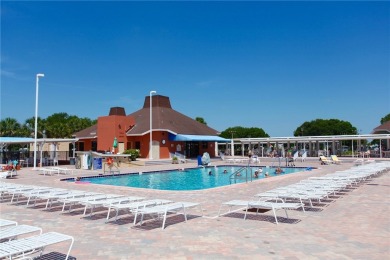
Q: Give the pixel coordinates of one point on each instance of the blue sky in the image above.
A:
(272, 65)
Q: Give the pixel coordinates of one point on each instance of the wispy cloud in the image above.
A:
(206, 83)
(7, 74)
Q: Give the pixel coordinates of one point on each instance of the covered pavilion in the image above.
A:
(7, 141)
(311, 144)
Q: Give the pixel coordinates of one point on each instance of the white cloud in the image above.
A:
(206, 83)
(7, 74)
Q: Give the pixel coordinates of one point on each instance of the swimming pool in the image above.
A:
(187, 179)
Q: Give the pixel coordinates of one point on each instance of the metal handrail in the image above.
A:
(234, 174)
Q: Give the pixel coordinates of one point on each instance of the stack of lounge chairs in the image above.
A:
(318, 189)
(19, 241)
(138, 206)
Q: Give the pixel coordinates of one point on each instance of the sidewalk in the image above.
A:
(355, 225)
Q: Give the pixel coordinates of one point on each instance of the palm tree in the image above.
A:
(29, 127)
(9, 127)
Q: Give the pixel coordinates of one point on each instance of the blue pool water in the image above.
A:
(189, 179)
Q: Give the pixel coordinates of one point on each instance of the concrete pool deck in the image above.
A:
(355, 225)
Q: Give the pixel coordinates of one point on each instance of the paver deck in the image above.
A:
(355, 225)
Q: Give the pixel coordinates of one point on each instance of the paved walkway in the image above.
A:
(355, 225)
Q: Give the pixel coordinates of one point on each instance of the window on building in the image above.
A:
(138, 145)
(204, 145)
(94, 146)
(80, 146)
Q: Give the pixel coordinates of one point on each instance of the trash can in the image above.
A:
(200, 160)
(72, 161)
(97, 163)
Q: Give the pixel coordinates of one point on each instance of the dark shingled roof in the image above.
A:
(89, 132)
(385, 127)
(166, 119)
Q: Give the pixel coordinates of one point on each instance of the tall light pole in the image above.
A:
(151, 127)
(36, 119)
(232, 143)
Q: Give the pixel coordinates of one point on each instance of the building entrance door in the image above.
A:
(156, 150)
(121, 147)
(192, 149)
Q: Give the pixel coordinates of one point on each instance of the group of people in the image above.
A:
(257, 173)
(11, 166)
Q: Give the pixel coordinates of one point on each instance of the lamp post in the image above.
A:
(151, 127)
(36, 119)
(232, 143)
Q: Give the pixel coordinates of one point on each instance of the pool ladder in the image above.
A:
(234, 176)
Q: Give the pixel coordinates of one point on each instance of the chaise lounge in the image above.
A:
(32, 245)
(274, 206)
(161, 211)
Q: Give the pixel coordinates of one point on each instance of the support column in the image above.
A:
(333, 147)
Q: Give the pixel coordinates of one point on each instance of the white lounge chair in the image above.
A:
(12, 232)
(6, 189)
(54, 194)
(162, 210)
(8, 174)
(24, 191)
(32, 245)
(63, 170)
(6, 223)
(108, 202)
(134, 206)
(51, 198)
(304, 156)
(37, 193)
(80, 200)
(49, 171)
(261, 205)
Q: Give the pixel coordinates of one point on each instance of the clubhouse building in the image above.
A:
(157, 123)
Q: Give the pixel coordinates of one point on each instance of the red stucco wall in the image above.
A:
(110, 127)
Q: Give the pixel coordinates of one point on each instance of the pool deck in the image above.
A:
(355, 225)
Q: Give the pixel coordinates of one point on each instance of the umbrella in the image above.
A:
(115, 144)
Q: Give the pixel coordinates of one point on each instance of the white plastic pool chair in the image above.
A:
(161, 211)
(12, 232)
(32, 245)
(262, 205)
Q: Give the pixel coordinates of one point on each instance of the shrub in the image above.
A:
(175, 160)
(134, 153)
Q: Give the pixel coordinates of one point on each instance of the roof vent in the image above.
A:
(117, 111)
(157, 101)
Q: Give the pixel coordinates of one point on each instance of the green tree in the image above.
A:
(385, 119)
(9, 127)
(58, 125)
(62, 125)
(320, 127)
(200, 120)
(243, 132)
(28, 128)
